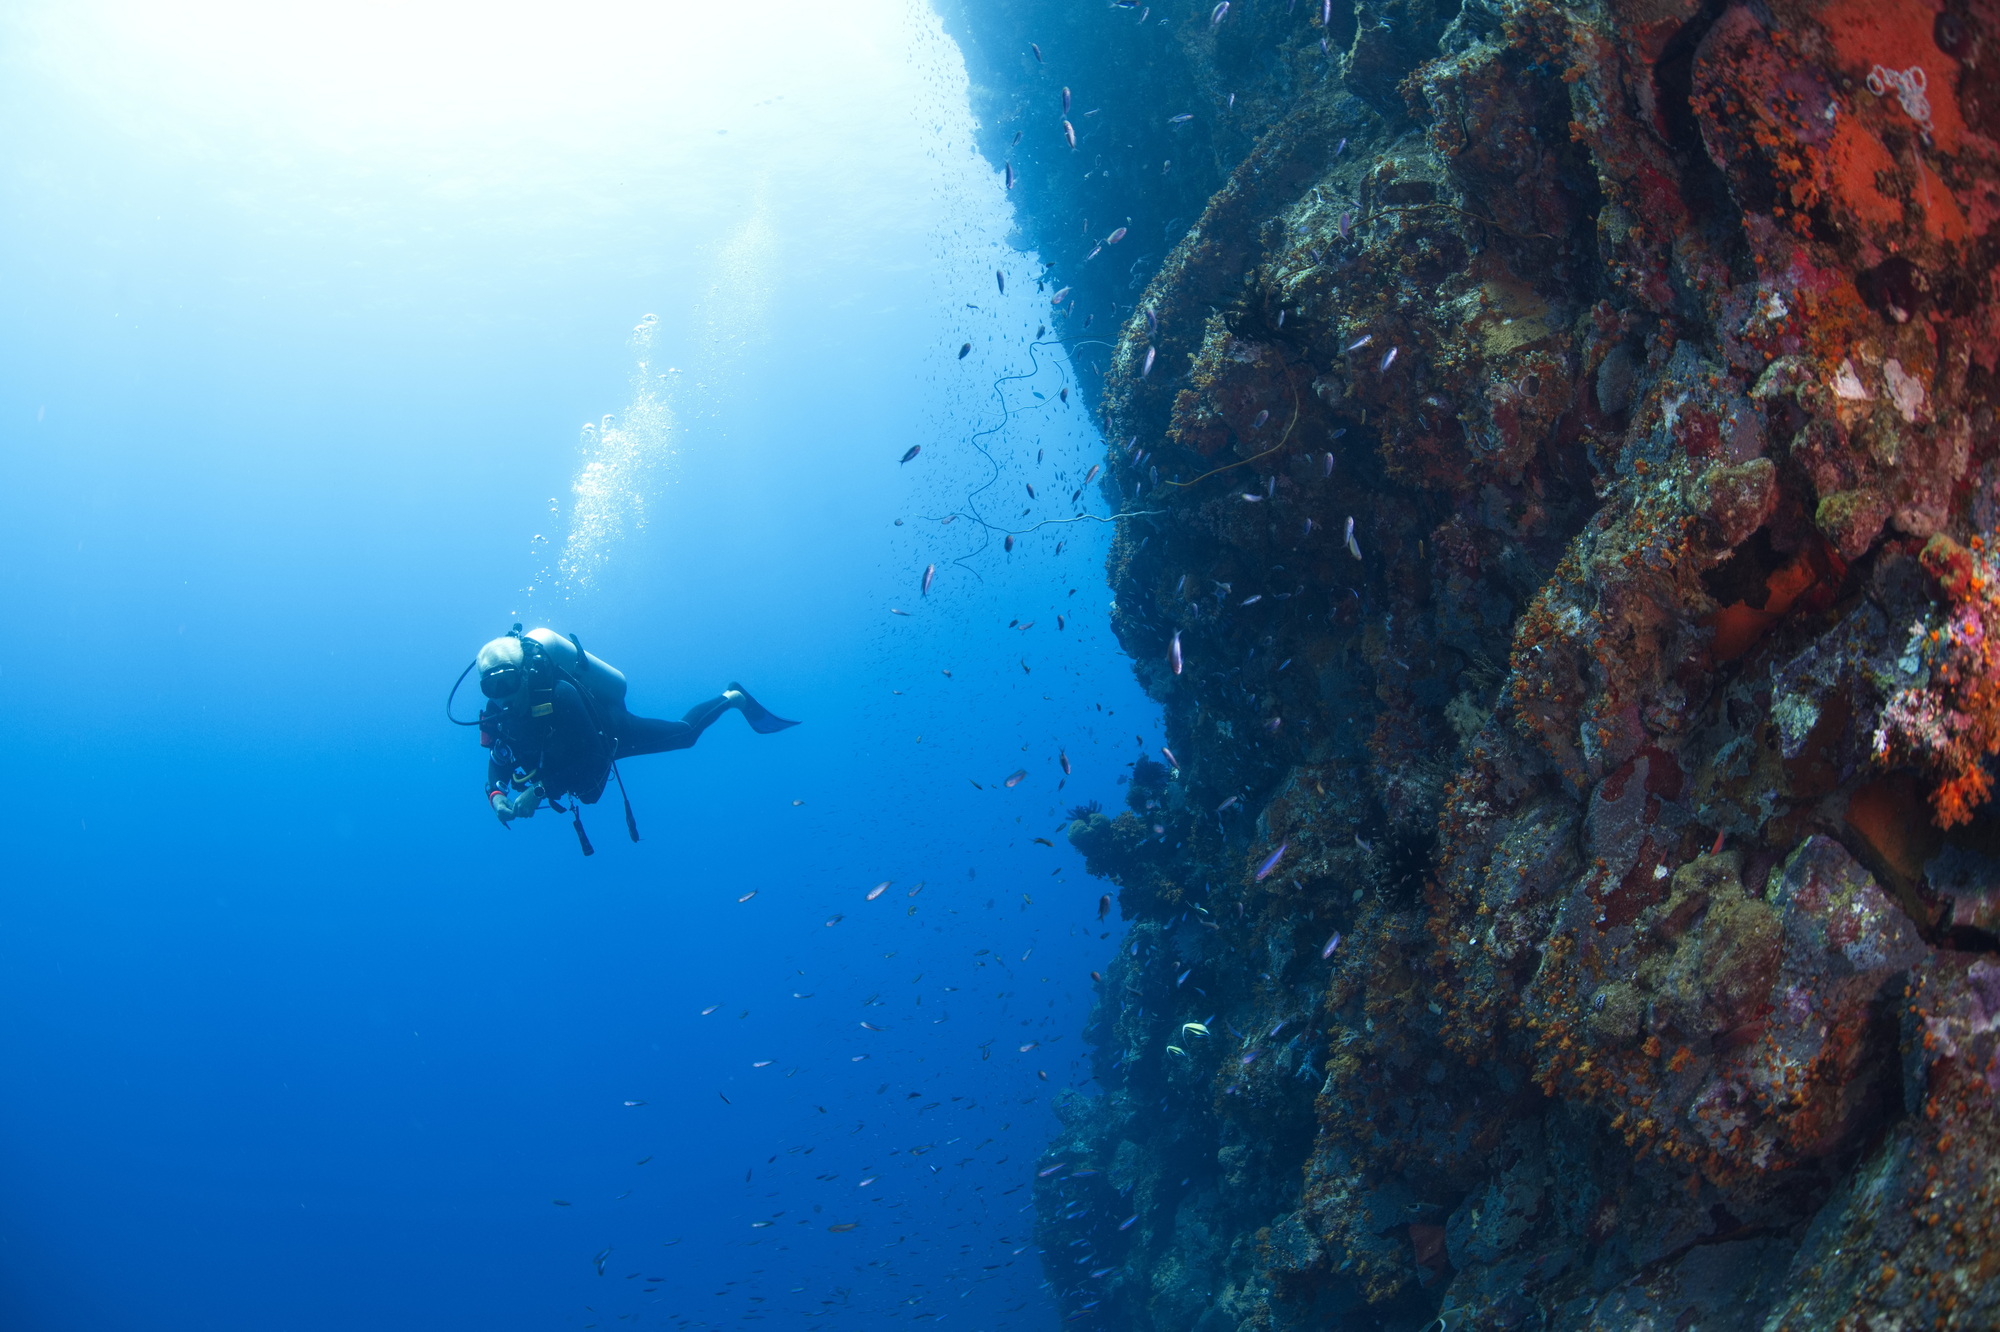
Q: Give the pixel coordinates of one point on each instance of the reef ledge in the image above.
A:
(1571, 585)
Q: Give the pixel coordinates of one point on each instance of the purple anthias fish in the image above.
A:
(1221, 13)
(930, 576)
(1010, 175)
(1331, 944)
(1174, 653)
(1264, 870)
(1389, 357)
(1172, 762)
(1346, 219)
(1147, 368)
(1115, 236)
(914, 450)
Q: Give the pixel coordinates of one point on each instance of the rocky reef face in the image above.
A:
(1560, 449)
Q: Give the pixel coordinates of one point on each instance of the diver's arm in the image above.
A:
(496, 790)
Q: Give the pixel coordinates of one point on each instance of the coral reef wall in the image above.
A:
(1560, 454)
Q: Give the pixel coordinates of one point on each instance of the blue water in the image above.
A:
(304, 311)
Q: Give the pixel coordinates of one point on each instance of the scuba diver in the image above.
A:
(555, 725)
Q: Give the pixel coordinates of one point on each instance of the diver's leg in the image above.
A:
(648, 735)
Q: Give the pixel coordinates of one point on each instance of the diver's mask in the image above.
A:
(500, 682)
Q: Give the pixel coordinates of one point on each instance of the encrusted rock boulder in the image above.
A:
(1561, 442)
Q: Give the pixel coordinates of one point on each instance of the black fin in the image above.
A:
(762, 720)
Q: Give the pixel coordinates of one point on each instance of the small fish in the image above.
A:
(1180, 119)
(878, 890)
(1172, 762)
(1043, 841)
(842, 1226)
(1195, 1027)
(1229, 803)
(1098, 976)
(915, 449)
(1091, 474)
(1340, 148)
(1017, 778)
(1029, 1046)
(1062, 755)
(919, 888)
(1010, 168)
(1263, 416)
(1103, 910)
(1101, 1271)
(762, 1063)
(1221, 13)
(1264, 870)
(560, 1202)
(1063, 394)
(1044, 1174)
(1353, 546)
(1065, 101)
(1147, 368)
(1069, 132)
(1115, 236)
(1346, 219)
(930, 576)
(835, 920)
(1326, 13)
(629, 1103)
(1174, 653)
(1038, 53)
(1360, 342)
(1128, 1222)
(1183, 978)
(1000, 278)
(894, 611)
(1251, 497)
(1008, 544)
(1059, 619)
(1327, 470)
(710, 1009)
(747, 896)
(1327, 951)
(1175, 1049)
(1388, 358)
(1252, 600)
(869, 1026)
(1031, 488)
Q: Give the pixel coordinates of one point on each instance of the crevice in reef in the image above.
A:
(1703, 185)
(1563, 471)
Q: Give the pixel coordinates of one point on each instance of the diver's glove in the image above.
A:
(520, 805)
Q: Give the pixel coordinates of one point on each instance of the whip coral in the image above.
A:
(1950, 721)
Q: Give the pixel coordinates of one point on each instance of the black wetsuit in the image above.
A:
(569, 749)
